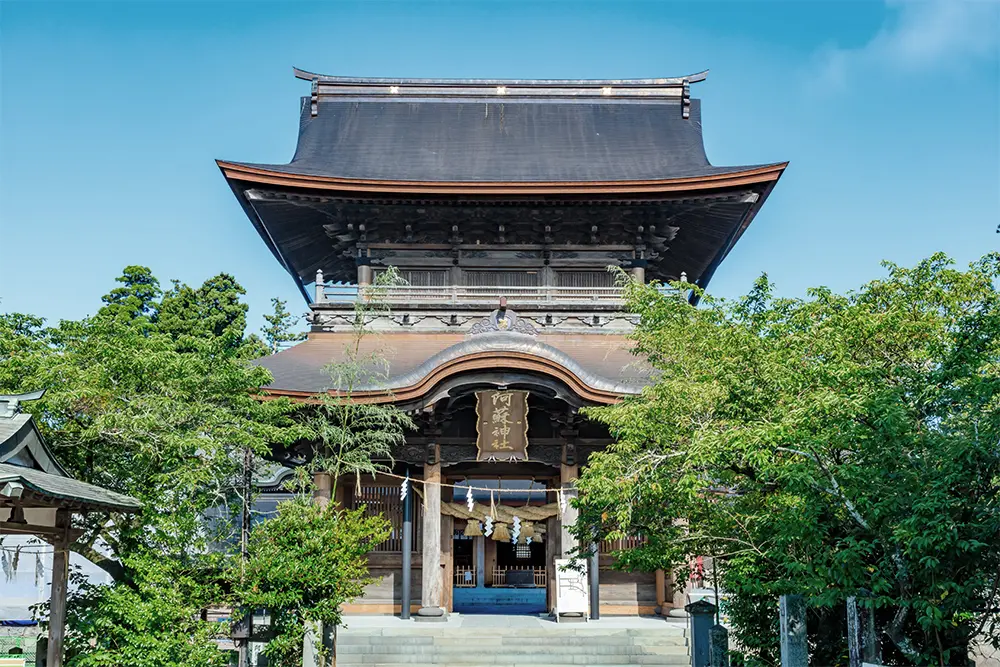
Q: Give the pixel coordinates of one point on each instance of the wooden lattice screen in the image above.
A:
(501, 278)
(384, 500)
(585, 279)
(610, 546)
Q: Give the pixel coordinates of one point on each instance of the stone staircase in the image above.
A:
(565, 644)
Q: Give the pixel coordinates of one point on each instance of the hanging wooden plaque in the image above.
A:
(502, 425)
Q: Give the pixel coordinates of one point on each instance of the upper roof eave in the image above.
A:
(546, 83)
(282, 175)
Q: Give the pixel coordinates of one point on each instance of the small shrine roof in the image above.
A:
(26, 459)
(67, 490)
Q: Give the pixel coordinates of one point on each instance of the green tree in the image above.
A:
(280, 323)
(820, 446)
(151, 623)
(152, 396)
(352, 437)
(302, 565)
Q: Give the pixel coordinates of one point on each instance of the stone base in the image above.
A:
(574, 617)
(430, 615)
(677, 612)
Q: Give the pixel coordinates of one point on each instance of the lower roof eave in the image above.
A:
(267, 174)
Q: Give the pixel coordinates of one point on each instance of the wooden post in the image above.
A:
(407, 568)
(567, 543)
(432, 587)
(551, 551)
(60, 580)
(661, 592)
(794, 645)
(324, 487)
(479, 544)
(489, 559)
(364, 275)
(447, 554)
(320, 293)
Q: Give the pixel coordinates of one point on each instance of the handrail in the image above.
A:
(453, 294)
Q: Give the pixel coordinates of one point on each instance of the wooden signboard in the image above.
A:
(502, 425)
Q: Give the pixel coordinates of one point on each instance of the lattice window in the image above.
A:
(384, 500)
(422, 277)
(522, 551)
(585, 279)
(501, 278)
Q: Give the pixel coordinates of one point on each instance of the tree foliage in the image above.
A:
(152, 396)
(302, 565)
(820, 446)
(279, 329)
(351, 437)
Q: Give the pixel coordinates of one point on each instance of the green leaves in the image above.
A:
(303, 564)
(153, 396)
(820, 446)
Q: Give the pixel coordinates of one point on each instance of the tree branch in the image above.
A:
(109, 565)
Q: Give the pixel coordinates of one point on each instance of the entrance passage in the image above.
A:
(510, 580)
(494, 577)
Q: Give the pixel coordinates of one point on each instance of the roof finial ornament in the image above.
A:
(10, 404)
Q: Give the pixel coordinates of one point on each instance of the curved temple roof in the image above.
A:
(499, 131)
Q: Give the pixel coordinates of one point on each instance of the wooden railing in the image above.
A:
(499, 575)
(623, 544)
(465, 577)
(470, 294)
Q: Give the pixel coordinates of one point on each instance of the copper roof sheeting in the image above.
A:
(602, 362)
(497, 140)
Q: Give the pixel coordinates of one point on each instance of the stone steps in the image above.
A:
(427, 646)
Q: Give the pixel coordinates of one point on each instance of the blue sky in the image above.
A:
(112, 114)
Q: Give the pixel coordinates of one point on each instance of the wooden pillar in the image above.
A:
(490, 559)
(324, 487)
(479, 544)
(432, 588)
(60, 580)
(447, 553)
(364, 275)
(568, 475)
(661, 592)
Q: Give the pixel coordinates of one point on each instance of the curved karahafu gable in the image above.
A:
(432, 364)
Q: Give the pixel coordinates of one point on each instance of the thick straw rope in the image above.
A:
(561, 489)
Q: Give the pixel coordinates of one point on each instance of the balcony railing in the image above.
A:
(499, 575)
(473, 295)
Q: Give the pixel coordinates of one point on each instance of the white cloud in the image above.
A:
(920, 36)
